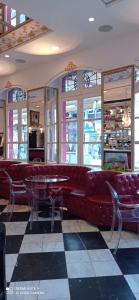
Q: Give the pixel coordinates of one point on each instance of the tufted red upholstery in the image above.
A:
(17, 172)
(5, 164)
(77, 174)
(127, 183)
(98, 200)
(96, 182)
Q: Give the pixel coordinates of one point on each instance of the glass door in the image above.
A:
(92, 131)
(16, 115)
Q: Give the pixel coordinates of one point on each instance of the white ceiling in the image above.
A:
(71, 30)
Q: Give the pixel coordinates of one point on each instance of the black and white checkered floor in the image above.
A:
(75, 262)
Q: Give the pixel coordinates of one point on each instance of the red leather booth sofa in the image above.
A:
(128, 184)
(85, 193)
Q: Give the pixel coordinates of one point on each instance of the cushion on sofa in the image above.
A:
(102, 199)
(96, 182)
(127, 184)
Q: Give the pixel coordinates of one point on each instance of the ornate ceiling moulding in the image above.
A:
(24, 34)
(8, 84)
(70, 67)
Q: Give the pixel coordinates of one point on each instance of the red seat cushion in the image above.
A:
(104, 200)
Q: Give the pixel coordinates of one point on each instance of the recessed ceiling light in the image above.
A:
(91, 19)
(20, 60)
(108, 2)
(37, 106)
(105, 28)
(56, 48)
(6, 55)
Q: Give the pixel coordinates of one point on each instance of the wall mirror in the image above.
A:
(36, 104)
(118, 124)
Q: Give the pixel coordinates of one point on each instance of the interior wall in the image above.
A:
(106, 56)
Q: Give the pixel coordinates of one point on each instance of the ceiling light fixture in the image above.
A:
(20, 60)
(105, 28)
(8, 84)
(91, 19)
(108, 2)
(6, 55)
(56, 48)
(37, 106)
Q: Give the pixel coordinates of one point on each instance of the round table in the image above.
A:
(47, 180)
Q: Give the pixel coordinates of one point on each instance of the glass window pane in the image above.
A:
(137, 156)
(91, 79)
(24, 116)
(54, 137)
(92, 108)
(13, 13)
(52, 134)
(13, 22)
(54, 114)
(24, 124)
(137, 130)
(92, 154)
(22, 18)
(48, 116)
(51, 93)
(22, 151)
(24, 133)
(70, 132)
(92, 131)
(13, 151)
(137, 74)
(71, 109)
(13, 126)
(69, 153)
(49, 151)
(54, 152)
(48, 134)
(70, 82)
(137, 105)
(17, 95)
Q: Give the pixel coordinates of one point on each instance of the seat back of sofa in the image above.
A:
(5, 164)
(97, 184)
(17, 171)
(77, 174)
(127, 184)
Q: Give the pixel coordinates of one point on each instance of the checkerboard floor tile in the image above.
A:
(76, 261)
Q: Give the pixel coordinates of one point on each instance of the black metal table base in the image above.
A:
(46, 214)
(46, 211)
